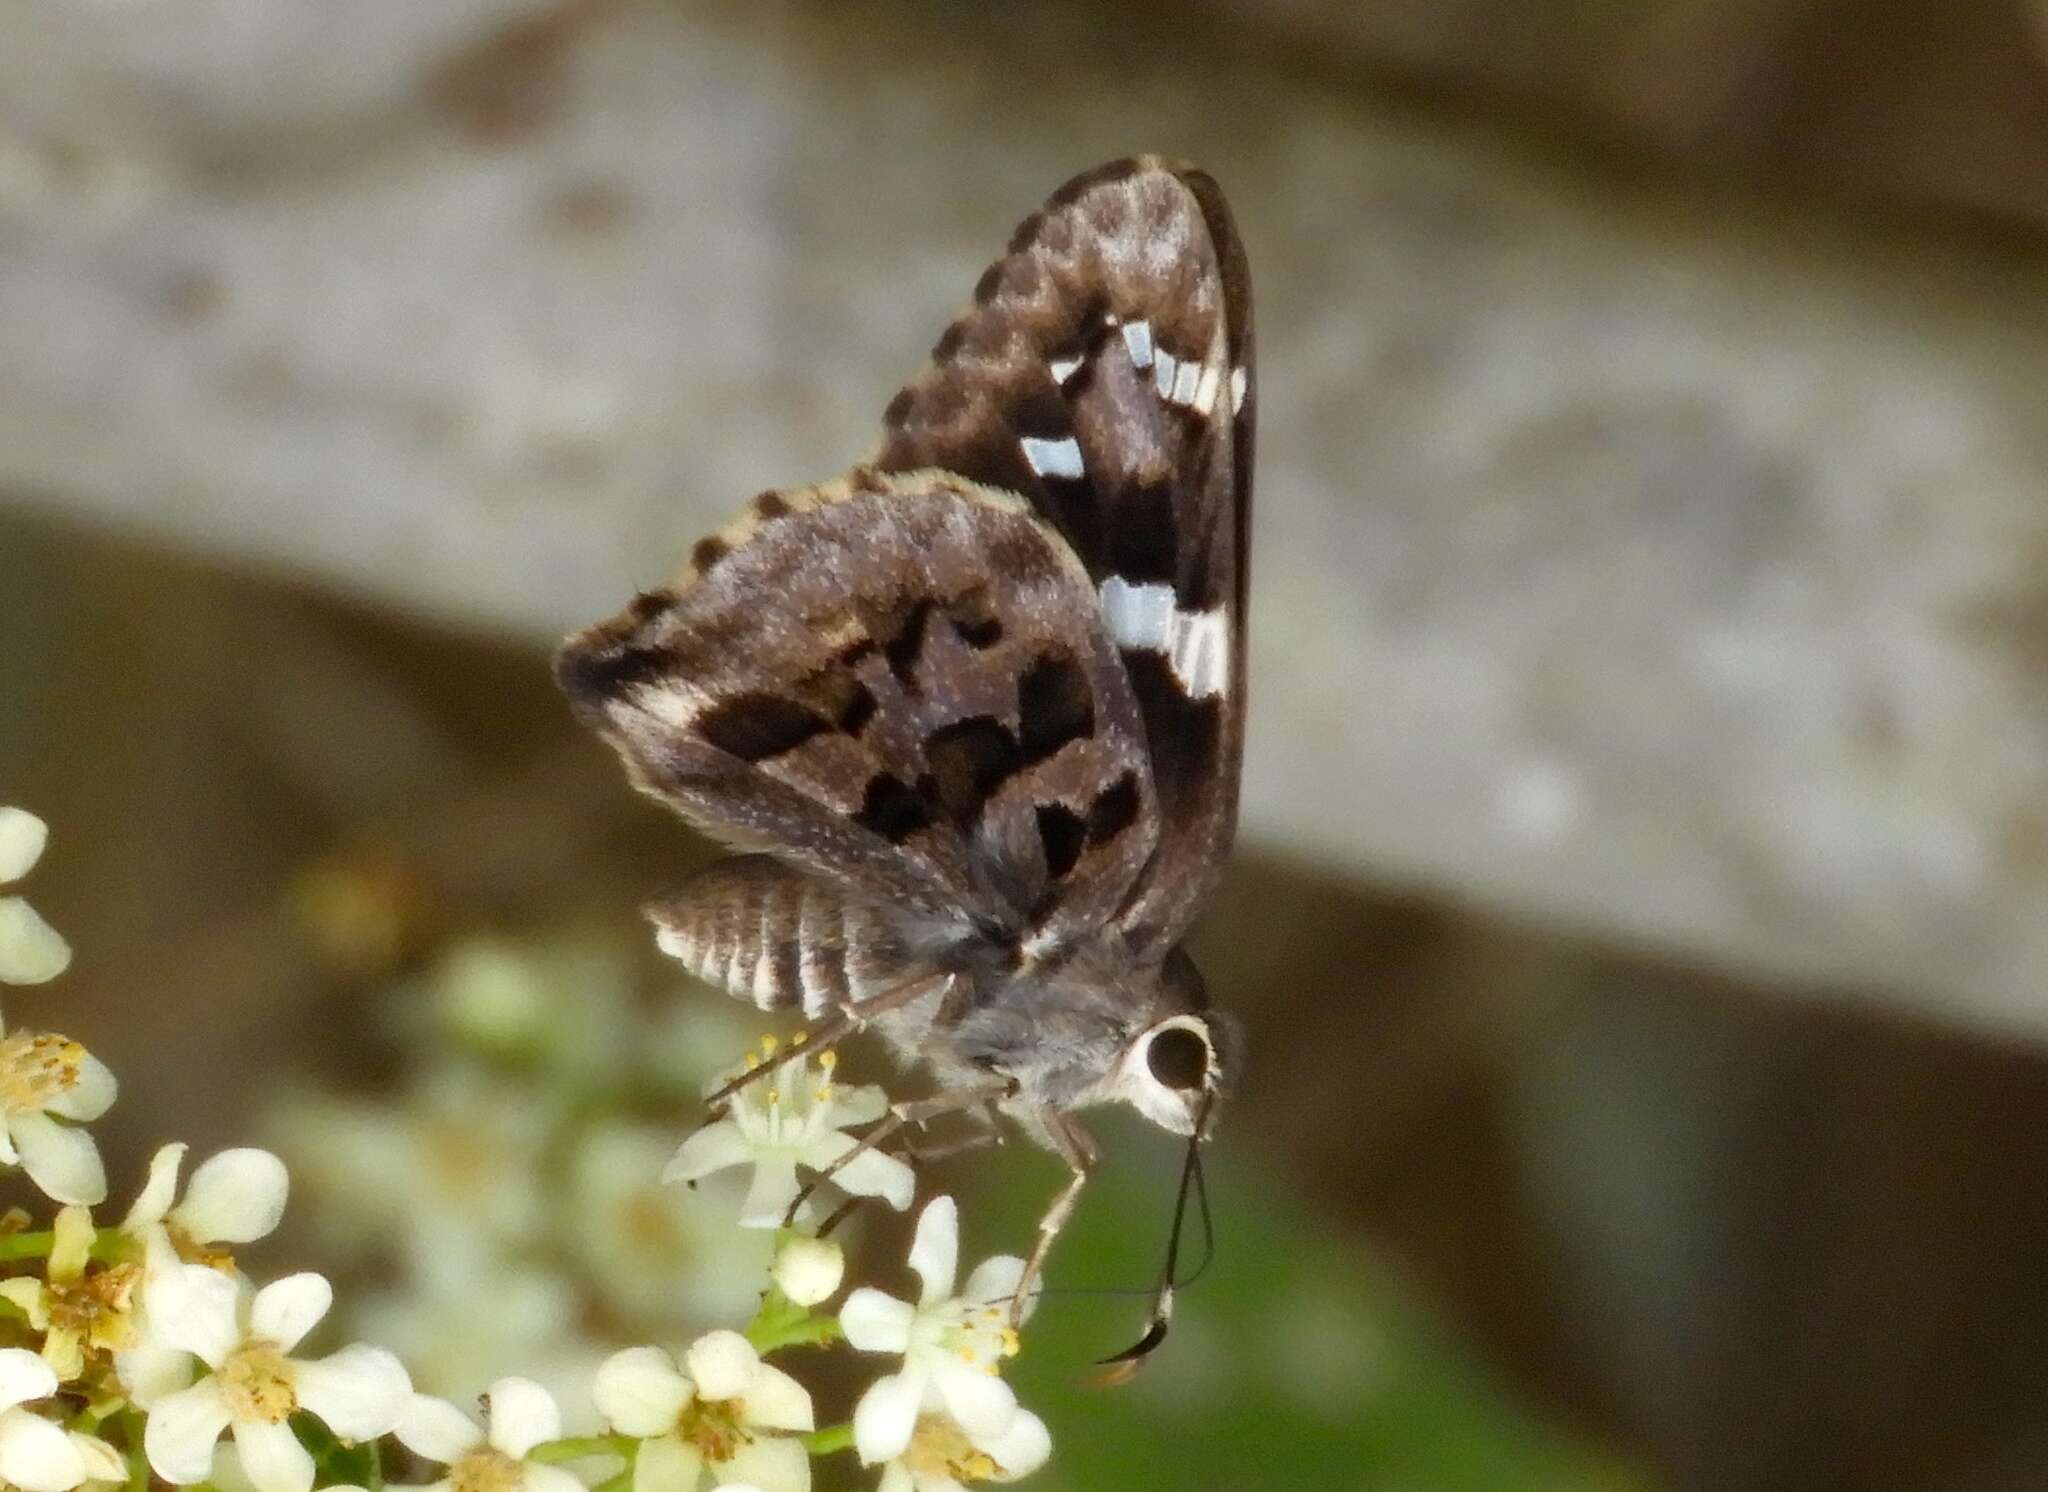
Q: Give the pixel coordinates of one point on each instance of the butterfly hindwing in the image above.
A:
(1105, 372)
(900, 685)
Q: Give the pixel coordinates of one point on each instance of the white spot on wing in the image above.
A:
(1138, 338)
(1184, 379)
(1196, 644)
(1238, 384)
(1064, 368)
(1052, 458)
(1205, 391)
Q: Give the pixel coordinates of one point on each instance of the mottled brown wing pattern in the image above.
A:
(1105, 372)
(768, 933)
(898, 684)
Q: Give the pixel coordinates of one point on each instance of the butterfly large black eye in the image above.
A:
(1179, 1058)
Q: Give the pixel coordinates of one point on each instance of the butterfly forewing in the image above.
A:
(1105, 372)
(900, 686)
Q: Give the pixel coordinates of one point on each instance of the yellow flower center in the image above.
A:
(257, 1380)
(94, 1306)
(36, 1069)
(486, 1469)
(939, 1448)
(714, 1428)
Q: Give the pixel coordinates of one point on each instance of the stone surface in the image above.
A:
(1626, 558)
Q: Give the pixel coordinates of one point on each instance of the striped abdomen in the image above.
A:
(777, 937)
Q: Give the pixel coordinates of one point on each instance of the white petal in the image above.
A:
(22, 837)
(886, 1416)
(63, 1161)
(712, 1148)
(36, 1455)
(178, 1440)
(977, 1398)
(874, 1322)
(776, 1401)
(193, 1308)
(994, 1283)
(665, 1464)
(159, 1191)
(91, 1093)
(896, 1477)
(359, 1392)
(150, 1372)
(24, 1376)
(935, 1251)
(436, 1429)
(639, 1392)
(235, 1197)
(868, 1174)
(774, 1188)
(285, 1310)
(102, 1462)
(770, 1464)
(272, 1457)
(523, 1414)
(1021, 1450)
(31, 951)
(722, 1363)
(542, 1478)
(808, 1270)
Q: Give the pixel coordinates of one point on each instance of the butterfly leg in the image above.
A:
(828, 1033)
(901, 1115)
(989, 1134)
(1077, 1149)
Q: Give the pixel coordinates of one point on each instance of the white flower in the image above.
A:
(659, 1255)
(709, 1426)
(358, 1392)
(31, 950)
(457, 1319)
(450, 1166)
(942, 1457)
(236, 1196)
(77, 1307)
(951, 1345)
(40, 1076)
(521, 1414)
(782, 1121)
(35, 1455)
(808, 1270)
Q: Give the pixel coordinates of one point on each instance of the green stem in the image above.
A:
(832, 1438)
(781, 1322)
(108, 1244)
(576, 1447)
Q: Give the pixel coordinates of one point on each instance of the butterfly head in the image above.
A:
(1177, 1070)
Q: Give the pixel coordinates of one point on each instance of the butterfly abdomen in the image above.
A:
(778, 938)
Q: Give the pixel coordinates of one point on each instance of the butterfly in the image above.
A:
(973, 713)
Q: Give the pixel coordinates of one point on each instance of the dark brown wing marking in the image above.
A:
(884, 682)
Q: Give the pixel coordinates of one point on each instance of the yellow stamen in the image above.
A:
(828, 1059)
(257, 1383)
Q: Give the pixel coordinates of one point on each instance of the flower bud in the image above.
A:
(807, 1270)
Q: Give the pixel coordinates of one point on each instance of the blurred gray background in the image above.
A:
(1644, 911)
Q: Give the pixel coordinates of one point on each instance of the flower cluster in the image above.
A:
(143, 1347)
